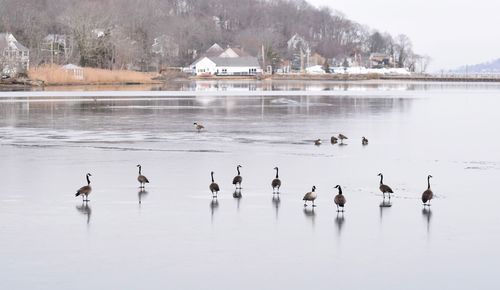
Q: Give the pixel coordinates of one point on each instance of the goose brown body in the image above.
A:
(317, 142)
(383, 187)
(84, 191)
(427, 195)
(198, 127)
(364, 141)
(339, 199)
(310, 196)
(214, 187)
(342, 137)
(237, 180)
(141, 178)
(334, 139)
(276, 183)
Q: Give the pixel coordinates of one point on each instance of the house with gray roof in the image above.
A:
(14, 57)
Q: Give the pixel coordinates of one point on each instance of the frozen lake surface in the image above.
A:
(178, 238)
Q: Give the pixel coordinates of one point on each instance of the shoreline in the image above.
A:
(27, 84)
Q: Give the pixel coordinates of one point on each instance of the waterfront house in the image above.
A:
(380, 60)
(14, 57)
(227, 66)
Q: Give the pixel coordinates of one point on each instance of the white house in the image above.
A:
(14, 57)
(227, 66)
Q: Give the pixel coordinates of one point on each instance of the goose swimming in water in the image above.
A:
(84, 191)
(427, 195)
(276, 183)
(339, 199)
(141, 178)
(384, 188)
(238, 179)
(310, 196)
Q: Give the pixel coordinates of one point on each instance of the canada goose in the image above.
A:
(342, 138)
(276, 184)
(317, 142)
(84, 191)
(339, 199)
(334, 140)
(238, 179)
(428, 194)
(384, 188)
(198, 127)
(310, 196)
(364, 141)
(141, 178)
(214, 187)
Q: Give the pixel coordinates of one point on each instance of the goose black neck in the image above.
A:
(212, 174)
(428, 182)
(277, 172)
(340, 190)
(238, 169)
(381, 179)
(139, 170)
(88, 180)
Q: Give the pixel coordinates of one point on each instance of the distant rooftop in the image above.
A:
(235, 61)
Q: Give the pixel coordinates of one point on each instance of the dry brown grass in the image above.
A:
(56, 75)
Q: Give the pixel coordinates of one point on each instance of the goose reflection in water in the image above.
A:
(85, 209)
(384, 205)
(237, 195)
(427, 214)
(276, 203)
(214, 204)
(310, 214)
(142, 193)
(339, 222)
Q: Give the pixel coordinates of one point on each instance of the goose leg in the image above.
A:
(313, 204)
(337, 208)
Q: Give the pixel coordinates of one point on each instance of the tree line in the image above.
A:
(120, 33)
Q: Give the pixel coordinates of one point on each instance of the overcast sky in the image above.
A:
(452, 32)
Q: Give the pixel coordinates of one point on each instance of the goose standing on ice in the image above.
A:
(342, 137)
(214, 187)
(339, 199)
(310, 196)
(334, 140)
(276, 184)
(364, 141)
(198, 127)
(317, 142)
(84, 191)
(428, 194)
(384, 188)
(238, 179)
(141, 178)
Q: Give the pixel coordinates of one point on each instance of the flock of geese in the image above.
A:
(311, 196)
